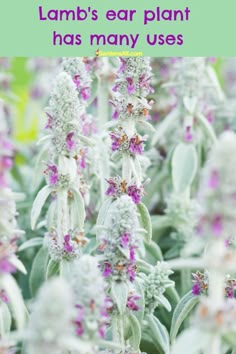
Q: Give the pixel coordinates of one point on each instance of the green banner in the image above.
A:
(117, 27)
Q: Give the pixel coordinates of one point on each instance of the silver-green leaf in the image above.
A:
(38, 204)
(182, 310)
(184, 167)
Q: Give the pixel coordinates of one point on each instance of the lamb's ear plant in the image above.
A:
(214, 322)
(123, 224)
(61, 146)
(124, 210)
(12, 306)
(190, 133)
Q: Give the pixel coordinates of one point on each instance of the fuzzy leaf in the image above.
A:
(18, 264)
(79, 208)
(164, 302)
(182, 310)
(145, 220)
(38, 271)
(141, 302)
(16, 302)
(172, 295)
(33, 242)
(159, 333)
(119, 292)
(5, 320)
(52, 269)
(38, 204)
(136, 332)
(184, 167)
(103, 211)
(153, 253)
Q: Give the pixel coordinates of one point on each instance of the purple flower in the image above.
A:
(125, 240)
(213, 180)
(77, 81)
(6, 162)
(230, 293)
(115, 88)
(196, 289)
(79, 328)
(102, 330)
(67, 246)
(136, 145)
(210, 117)
(69, 142)
(52, 173)
(131, 302)
(107, 269)
(6, 266)
(115, 141)
(131, 272)
(135, 193)
(115, 114)
(85, 93)
(111, 191)
(217, 225)
(82, 162)
(188, 134)
(130, 86)
(132, 253)
(78, 320)
(144, 83)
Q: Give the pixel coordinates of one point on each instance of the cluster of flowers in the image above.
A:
(92, 304)
(121, 142)
(118, 241)
(131, 88)
(78, 72)
(118, 187)
(69, 249)
(218, 191)
(63, 116)
(201, 283)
